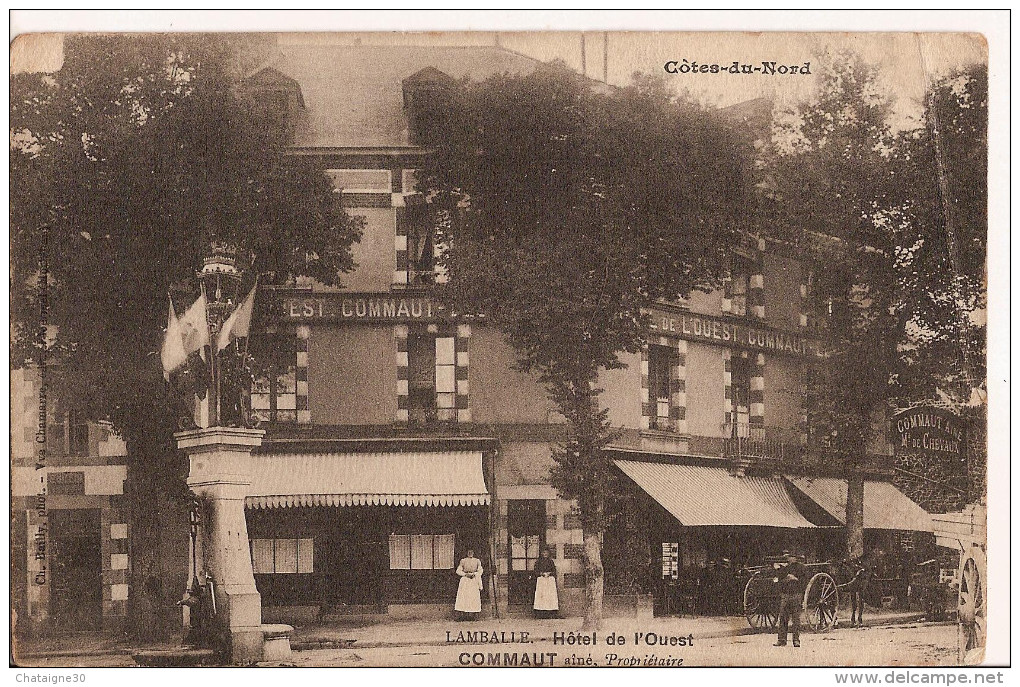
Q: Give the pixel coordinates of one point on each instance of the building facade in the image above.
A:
(399, 438)
(70, 553)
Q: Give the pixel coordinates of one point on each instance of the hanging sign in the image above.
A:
(935, 431)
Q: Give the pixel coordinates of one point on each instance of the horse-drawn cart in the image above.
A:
(762, 597)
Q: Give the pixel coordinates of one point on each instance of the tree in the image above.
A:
(125, 165)
(942, 255)
(569, 209)
(834, 193)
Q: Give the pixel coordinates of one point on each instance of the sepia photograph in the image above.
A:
(500, 348)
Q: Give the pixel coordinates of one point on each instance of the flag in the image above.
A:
(238, 323)
(173, 354)
(194, 327)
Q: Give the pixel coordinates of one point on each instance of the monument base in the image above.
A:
(219, 459)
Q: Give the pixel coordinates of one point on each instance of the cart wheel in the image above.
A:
(972, 600)
(761, 604)
(821, 599)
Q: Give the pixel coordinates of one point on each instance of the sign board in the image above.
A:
(355, 307)
(733, 333)
(935, 431)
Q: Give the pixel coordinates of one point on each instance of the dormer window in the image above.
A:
(426, 99)
(273, 100)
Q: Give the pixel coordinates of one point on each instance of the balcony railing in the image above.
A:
(781, 450)
(755, 444)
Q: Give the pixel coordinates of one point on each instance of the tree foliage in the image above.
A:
(575, 207)
(944, 247)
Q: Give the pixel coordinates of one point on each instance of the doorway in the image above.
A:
(526, 529)
(76, 559)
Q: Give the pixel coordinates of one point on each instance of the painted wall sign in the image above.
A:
(733, 333)
(934, 431)
(359, 308)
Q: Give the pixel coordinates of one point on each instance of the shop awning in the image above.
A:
(367, 479)
(699, 495)
(885, 506)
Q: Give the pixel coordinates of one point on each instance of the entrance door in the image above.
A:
(352, 571)
(76, 595)
(526, 525)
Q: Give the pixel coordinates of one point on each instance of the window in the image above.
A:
(282, 556)
(274, 391)
(740, 276)
(361, 180)
(421, 246)
(432, 378)
(661, 360)
(422, 551)
(77, 434)
(65, 483)
(740, 380)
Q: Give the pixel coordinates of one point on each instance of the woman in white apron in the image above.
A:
(547, 601)
(469, 591)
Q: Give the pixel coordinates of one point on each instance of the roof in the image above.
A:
(353, 94)
(697, 495)
(451, 478)
(885, 506)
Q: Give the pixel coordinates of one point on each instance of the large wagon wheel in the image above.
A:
(971, 607)
(761, 602)
(821, 599)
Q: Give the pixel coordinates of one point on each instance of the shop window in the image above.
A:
(274, 390)
(77, 434)
(432, 378)
(661, 360)
(422, 551)
(282, 556)
(739, 283)
(740, 381)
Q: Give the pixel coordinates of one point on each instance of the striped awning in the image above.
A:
(367, 479)
(703, 496)
(885, 506)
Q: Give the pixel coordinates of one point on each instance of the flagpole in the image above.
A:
(213, 366)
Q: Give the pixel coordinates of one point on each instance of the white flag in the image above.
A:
(194, 327)
(173, 354)
(239, 322)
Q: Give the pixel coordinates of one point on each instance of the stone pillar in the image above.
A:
(220, 476)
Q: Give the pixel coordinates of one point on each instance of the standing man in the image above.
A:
(791, 579)
(858, 588)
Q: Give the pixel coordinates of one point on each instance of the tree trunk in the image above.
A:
(855, 513)
(594, 580)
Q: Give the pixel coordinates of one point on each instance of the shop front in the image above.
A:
(356, 533)
(898, 535)
(703, 524)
